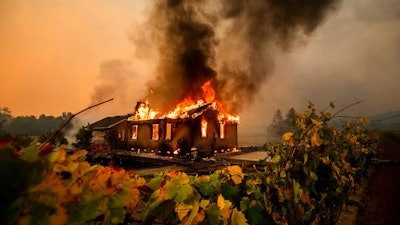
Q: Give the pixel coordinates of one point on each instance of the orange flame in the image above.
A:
(182, 108)
(208, 92)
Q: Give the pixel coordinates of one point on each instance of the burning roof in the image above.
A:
(187, 108)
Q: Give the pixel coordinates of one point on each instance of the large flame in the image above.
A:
(143, 112)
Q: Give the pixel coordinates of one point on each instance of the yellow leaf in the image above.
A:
(235, 173)
(364, 121)
(316, 122)
(224, 206)
(234, 169)
(221, 202)
(183, 209)
(364, 150)
(325, 160)
(353, 139)
(180, 177)
(204, 203)
(291, 143)
(286, 136)
(200, 216)
(57, 156)
(315, 140)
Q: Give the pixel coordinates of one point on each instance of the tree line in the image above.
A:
(21, 129)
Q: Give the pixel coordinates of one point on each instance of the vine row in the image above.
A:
(307, 181)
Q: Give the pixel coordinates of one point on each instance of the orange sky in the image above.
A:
(52, 52)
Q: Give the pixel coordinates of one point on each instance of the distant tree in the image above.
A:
(20, 141)
(276, 127)
(279, 125)
(32, 126)
(59, 139)
(24, 125)
(83, 138)
(5, 115)
(290, 120)
(5, 110)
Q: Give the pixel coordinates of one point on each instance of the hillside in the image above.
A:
(385, 121)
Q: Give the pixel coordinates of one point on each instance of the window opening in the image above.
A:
(121, 135)
(155, 133)
(135, 132)
(222, 130)
(203, 127)
(168, 134)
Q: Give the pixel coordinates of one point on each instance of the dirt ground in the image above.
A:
(382, 194)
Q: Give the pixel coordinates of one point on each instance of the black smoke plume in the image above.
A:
(231, 42)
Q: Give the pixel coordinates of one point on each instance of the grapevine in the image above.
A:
(307, 181)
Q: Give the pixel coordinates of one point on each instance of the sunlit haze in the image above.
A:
(63, 56)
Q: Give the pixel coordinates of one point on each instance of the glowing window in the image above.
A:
(221, 130)
(168, 134)
(155, 133)
(134, 132)
(203, 128)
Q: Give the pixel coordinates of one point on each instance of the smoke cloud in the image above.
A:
(231, 42)
(115, 81)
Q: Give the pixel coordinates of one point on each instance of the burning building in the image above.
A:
(200, 125)
(196, 47)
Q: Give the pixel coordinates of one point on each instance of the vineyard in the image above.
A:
(307, 181)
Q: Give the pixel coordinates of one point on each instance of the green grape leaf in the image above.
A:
(276, 159)
(30, 153)
(298, 192)
(114, 216)
(178, 187)
(313, 176)
(155, 182)
(252, 186)
(230, 191)
(213, 213)
(182, 192)
(305, 158)
(238, 218)
(158, 209)
(282, 174)
(207, 184)
(256, 213)
(81, 213)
